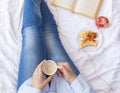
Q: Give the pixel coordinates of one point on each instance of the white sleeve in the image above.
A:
(81, 85)
(26, 88)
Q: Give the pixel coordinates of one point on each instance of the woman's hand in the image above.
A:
(65, 71)
(38, 79)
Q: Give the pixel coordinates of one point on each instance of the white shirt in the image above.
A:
(59, 85)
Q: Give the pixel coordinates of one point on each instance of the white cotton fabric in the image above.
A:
(100, 65)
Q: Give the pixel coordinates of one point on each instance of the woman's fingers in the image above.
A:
(59, 72)
(65, 68)
(48, 79)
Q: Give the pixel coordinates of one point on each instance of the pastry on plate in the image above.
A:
(88, 38)
(88, 42)
(87, 34)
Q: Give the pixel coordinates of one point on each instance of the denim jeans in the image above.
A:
(40, 40)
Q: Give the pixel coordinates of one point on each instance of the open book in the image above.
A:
(89, 8)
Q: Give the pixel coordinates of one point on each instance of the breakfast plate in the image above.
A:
(96, 41)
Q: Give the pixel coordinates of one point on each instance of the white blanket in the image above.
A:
(100, 65)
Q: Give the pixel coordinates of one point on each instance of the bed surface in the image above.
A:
(100, 65)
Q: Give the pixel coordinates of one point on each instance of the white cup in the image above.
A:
(49, 67)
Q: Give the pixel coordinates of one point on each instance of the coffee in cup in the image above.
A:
(49, 67)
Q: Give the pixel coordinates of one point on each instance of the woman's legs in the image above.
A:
(55, 50)
(33, 48)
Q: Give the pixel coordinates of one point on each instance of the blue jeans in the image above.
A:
(40, 40)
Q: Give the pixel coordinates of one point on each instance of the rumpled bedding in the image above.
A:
(100, 65)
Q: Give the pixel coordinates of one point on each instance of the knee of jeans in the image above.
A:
(32, 30)
(31, 35)
(50, 28)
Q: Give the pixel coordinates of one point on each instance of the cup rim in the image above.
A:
(51, 62)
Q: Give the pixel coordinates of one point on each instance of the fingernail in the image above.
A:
(59, 67)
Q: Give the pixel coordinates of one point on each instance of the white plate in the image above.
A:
(99, 39)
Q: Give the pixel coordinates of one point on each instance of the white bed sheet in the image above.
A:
(100, 65)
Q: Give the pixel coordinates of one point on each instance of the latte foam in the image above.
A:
(49, 67)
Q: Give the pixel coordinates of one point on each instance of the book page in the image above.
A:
(88, 8)
(68, 4)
